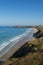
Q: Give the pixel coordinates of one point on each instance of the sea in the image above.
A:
(9, 33)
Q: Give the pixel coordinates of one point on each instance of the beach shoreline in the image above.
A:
(6, 52)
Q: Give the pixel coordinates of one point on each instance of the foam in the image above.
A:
(17, 38)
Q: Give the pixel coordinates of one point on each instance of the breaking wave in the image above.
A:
(15, 39)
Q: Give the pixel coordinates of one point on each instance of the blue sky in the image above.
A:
(21, 12)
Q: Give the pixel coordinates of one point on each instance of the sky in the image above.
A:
(21, 12)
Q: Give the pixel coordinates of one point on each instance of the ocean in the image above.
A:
(11, 39)
(9, 33)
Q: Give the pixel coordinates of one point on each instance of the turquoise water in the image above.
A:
(7, 33)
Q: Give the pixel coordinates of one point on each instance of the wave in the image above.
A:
(15, 39)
